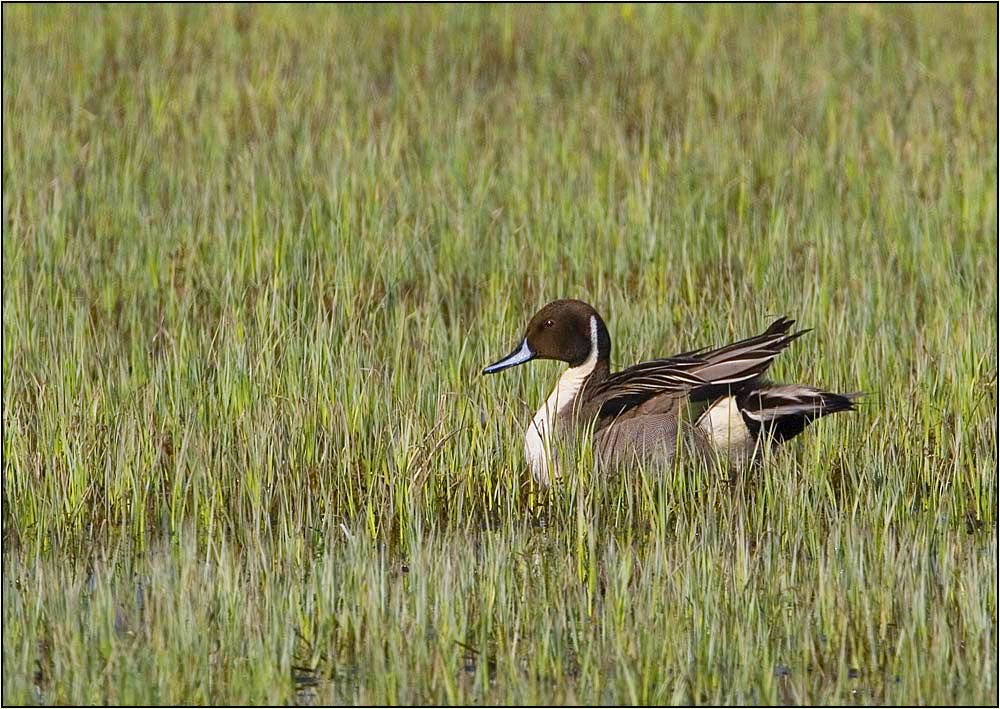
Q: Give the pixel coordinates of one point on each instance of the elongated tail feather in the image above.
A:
(783, 412)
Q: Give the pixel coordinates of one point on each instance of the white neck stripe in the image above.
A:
(537, 441)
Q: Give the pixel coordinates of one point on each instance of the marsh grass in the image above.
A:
(254, 258)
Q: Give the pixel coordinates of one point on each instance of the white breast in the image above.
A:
(539, 436)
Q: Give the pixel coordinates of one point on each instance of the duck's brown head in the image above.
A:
(567, 330)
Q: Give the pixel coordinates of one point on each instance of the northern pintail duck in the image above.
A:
(715, 399)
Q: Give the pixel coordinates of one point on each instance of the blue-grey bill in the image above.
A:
(519, 356)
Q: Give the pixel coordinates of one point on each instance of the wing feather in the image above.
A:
(699, 374)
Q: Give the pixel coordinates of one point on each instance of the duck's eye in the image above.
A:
(548, 323)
